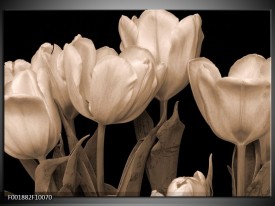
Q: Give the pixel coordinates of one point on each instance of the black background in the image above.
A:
(229, 35)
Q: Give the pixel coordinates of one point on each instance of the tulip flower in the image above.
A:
(171, 42)
(237, 107)
(32, 122)
(49, 56)
(110, 88)
(189, 186)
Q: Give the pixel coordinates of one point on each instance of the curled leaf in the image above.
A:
(162, 163)
(260, 185)
(131, 179)
(70, 174)
(43, 173)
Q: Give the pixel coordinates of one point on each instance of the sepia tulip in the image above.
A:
(109, 88)
(237, 107)
(189, 186)
(32, 122)
(171, 42)
(48, 57)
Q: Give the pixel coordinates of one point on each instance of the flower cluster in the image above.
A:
(159, 57)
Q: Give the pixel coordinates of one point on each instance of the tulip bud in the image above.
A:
(32, 123)
(189, 186)
(170, 41)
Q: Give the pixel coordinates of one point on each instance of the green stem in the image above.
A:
(163, 111)
(100, 159)
(241, 170)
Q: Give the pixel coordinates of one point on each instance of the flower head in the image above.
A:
(32, 123)
(171, 42)
(110, 88)
(237, 107)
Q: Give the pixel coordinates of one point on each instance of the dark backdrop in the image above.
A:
(229, 35)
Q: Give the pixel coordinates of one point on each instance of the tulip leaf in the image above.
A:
(70, 175)
(143, 125)
(90, 149)
(110, 190)
(86, 182)
(30, 166)
(260, 185)
(65, 191)
(163, 160)
(43, 173)
(210, 175)
(131, 179)
(59, 172)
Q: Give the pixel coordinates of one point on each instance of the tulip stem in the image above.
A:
(100, 159)
(163, 110)
(241, 170)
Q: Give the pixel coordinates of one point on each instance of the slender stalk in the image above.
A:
(100, 159)
(163, 111)
(241, 170)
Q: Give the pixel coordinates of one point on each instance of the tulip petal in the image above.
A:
(143, 64)
(27, 126)
(73, 66)
(184, 45)
(8, 72)
(86, 49)
(247, 108)
(155, 28)
(25, 83)
(194, 71)
(103, 51)
(44, 85)
(128, 32)
(106, 102)
(266, 69)
(20, 65)
(248, 67)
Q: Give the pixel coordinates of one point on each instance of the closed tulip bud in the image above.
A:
(171, 42)
(189, 186)
(49, 57)
(110, 88)
(32, 123)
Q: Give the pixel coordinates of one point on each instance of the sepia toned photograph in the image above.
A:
(137, 103)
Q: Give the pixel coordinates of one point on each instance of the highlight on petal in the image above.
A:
(106, 100)
(27, 127)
